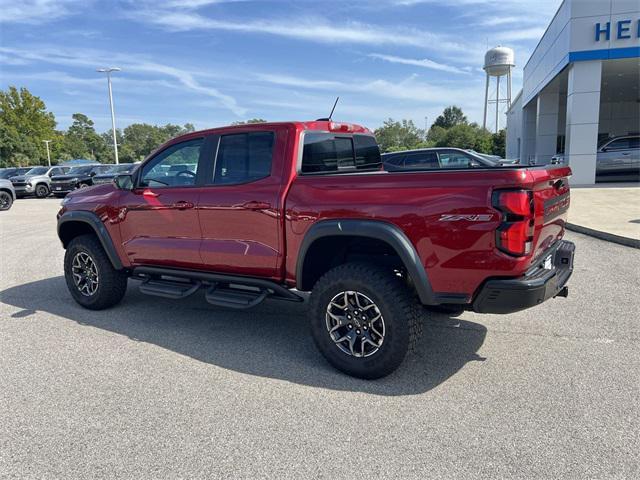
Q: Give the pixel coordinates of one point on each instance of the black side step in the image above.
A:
(234, 298)
(270, 288)
(169, 289)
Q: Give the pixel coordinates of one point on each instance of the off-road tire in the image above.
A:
(112, 283)
(395, 301)
(42, 190)
(6, 200)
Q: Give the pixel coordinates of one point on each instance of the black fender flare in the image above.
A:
(98, 227)
(383, 231)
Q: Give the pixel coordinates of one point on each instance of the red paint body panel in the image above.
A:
(153, 230)
(256, 229)
(457, 255)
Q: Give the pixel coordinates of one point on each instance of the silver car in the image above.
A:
(36, 181)
(619, 158)
(7, 194)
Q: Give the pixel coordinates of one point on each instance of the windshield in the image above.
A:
(9, 172)
(38, 171)
(81, 170)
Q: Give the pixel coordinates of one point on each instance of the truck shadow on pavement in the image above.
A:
(272, 340)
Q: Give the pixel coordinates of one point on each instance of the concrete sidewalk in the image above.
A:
(607, 211)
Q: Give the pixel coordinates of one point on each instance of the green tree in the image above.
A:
(498, 143)
(469, 136)
(24, 124)
(400, 135)
(450, 117)
(82, 141)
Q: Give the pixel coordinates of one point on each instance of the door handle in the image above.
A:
(183, 205)
(253, 205)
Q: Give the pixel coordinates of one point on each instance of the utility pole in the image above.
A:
(113, 116)
(47, 142)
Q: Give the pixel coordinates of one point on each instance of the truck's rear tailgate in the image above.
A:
(551, 196)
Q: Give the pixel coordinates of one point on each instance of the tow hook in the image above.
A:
(564, 292)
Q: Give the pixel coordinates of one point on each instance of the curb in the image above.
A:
(608, 237)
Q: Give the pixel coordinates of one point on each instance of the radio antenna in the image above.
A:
(334, 107)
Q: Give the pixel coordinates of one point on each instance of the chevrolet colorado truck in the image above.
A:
(275, 209)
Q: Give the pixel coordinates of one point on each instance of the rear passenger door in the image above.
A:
(239, 206)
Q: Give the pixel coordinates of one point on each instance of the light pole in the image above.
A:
(47, 142)
(113, 116)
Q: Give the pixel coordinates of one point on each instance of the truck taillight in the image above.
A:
(340, 127)
(515, 234)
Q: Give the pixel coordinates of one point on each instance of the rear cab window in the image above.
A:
(334, 153)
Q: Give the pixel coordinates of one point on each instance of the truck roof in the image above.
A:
(322, 125)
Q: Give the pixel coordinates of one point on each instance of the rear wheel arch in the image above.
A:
(76, 223)
(327, 244)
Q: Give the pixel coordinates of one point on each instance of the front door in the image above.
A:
(239, 204)
(160, 223)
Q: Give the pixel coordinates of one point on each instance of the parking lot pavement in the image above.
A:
(158, 388)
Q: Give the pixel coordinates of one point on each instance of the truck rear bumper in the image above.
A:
(514, 294)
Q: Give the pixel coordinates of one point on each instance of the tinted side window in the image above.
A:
(620, 144)
(244, 157)
(395, 160)
(634, 142)
(421, 160)
(454, 160)
(173, 167)
(367, 152)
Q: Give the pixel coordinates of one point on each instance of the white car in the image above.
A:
(7, 194)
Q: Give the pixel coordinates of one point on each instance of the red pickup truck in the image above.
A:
(274, 209)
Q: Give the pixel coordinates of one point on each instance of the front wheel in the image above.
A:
(363, 319)
(6, 200)
(42, 191)
(90, 276)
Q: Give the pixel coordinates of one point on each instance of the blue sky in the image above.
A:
(212, 62)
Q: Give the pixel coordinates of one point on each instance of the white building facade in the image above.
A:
(580, 86)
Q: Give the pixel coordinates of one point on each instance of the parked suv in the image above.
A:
(108, 175)
(7, 173)
(37, 181)
(76, 177)
(619, 159)
(255, 211)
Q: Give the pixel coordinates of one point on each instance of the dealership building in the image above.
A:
(580, 86)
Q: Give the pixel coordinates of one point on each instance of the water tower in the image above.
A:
(498, 62)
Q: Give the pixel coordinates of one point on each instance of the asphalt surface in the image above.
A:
(156, 388)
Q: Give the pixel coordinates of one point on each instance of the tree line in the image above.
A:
(25, 124)
(451, 129)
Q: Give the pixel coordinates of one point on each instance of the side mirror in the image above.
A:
(124, 181)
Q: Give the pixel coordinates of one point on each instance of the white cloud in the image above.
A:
(410, 89)
(309, 28)
(91, 59)
(424, 63)
(37, 11)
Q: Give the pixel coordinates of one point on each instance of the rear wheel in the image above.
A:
(42, 191)
(6, 200)
(90, 276)
(363, 319)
